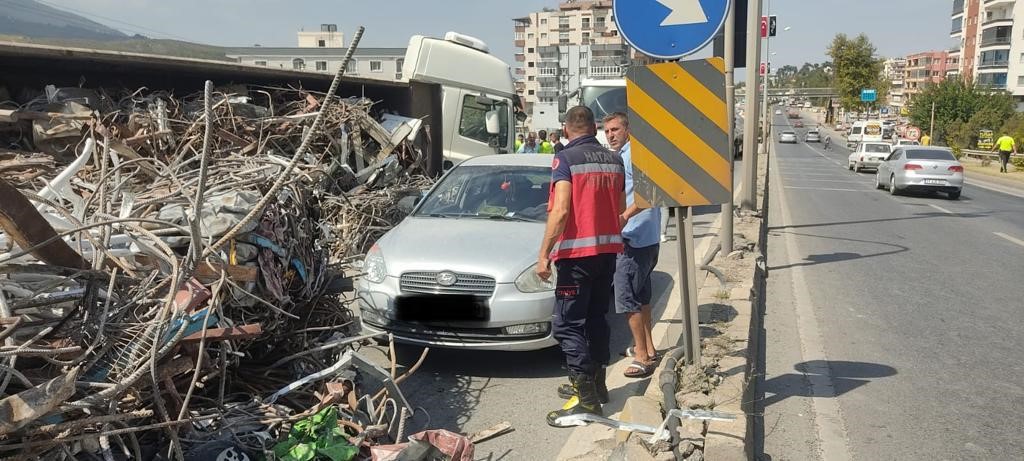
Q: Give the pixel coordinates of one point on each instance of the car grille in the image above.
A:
(467, 284)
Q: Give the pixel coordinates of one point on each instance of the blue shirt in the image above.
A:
(644, 229)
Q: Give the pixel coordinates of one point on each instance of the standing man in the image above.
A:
(545, 146)
(641, 238)
(529, 146)
(555, 141)
(519, 141)
(582, 237)
(926, 140)
(1006, 146)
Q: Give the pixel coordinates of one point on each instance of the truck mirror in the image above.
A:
(563, 104)
(493, 122)
(521, 117)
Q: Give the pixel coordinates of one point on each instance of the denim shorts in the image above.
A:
(633, 269)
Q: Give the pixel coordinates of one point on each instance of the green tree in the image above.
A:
(855, 68)
(961, 109)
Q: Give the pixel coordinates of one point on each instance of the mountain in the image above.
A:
(32, 19)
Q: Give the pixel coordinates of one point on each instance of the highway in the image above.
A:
(893, 326)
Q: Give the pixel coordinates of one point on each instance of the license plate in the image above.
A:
(934, 181)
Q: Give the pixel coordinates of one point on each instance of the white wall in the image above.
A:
(389, 65)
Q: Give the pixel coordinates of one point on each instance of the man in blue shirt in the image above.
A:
(641, 235)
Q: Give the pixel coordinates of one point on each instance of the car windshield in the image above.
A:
(492, 192)
(877, 148)
(930, 154)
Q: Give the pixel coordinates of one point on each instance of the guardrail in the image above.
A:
(985, 155)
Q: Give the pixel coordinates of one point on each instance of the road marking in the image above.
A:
(822, 155)
(828, 418)
(994, 188)
(1012, 239)
(941, 209)
(826, 189)
(827, 180)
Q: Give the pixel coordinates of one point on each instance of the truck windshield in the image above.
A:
(604, 100)
(474, 126)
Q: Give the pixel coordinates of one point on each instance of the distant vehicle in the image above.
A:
(798, 124)
(921, 168)
(788, 137)
(869, 155)
(807, 105)
(476, 288)
(793, 113)
(839, 126)
(813, 136)
(907, 142)
(864, 131)
(778, 112)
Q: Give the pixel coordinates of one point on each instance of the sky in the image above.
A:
(896, 27)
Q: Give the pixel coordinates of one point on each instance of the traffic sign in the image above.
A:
(913, 133)
(764, 69)
(772, 23)
(669, 29)
(868, 95)
(764, 26)
(679, 133)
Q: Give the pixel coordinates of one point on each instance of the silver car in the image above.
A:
(921, 168)
(787, 137)
(459, 271)
(813, 136)
(869, 155)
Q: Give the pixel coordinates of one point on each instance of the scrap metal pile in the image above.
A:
(172, 272)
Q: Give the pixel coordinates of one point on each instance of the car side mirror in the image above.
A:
(493, 122)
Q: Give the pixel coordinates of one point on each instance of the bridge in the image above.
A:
(798, 92)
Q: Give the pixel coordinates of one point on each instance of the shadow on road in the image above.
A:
(825, 258)
(929, 215)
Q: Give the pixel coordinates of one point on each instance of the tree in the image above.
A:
(961, 110)
(855, 68)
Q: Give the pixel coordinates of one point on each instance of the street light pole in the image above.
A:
(750, 147)
(767, 120)
(725, 235)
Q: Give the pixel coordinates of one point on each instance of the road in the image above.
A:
(894, 326)
(468, 391)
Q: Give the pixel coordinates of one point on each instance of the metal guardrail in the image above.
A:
(985, 155)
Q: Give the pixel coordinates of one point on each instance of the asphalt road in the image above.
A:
(894, 326)
(469, 391)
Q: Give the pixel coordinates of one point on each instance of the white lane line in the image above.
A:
(994, 188)
(827, 189)
(823, 155)
(826, 180)
(941, 209)
(1012, 239)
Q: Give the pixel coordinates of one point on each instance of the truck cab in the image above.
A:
(477, 93)
(602, 96)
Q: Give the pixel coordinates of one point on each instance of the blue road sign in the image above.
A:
(669, 29)
(885, 111)
(868, 95)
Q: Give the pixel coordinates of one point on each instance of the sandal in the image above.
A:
(631, 352)
(638, 370)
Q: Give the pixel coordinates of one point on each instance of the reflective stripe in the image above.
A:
(596, 168)
(588, 242)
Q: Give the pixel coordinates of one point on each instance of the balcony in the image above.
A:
(605, 71)
(994, 64)
(520, 29)
(520, 57)
(995, 41)
(520, 71)
(519, 43)
(997, 22)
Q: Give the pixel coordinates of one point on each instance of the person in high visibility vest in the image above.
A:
(1006, 146)
(519, 141)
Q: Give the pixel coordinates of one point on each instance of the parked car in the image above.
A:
(787, 137)
(813, 136)
(906, 142)
(921, 168)
(459, 271)
(868, 155)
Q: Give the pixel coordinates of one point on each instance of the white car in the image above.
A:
(778, 112)
(906, 142)
(787, 137)
(869, 155)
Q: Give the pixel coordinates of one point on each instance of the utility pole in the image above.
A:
(749, 199)
(931, 129)
(725, 235)
(767, 120)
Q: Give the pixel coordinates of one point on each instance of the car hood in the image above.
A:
(500, 249)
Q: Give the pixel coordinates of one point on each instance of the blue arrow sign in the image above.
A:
(669, 29)
(867, 95)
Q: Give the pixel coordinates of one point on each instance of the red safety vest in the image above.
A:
(598, 181)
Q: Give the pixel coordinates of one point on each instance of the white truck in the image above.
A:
(603, 96)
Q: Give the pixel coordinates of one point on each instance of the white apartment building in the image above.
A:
(323, 51)
(992, 44)
(894, 70)
(558, 48)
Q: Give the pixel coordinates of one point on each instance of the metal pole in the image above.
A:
(688, 278)
(725, 235)
(767, 120)
(750, 147)
(931, 129)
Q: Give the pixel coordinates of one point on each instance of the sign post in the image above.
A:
(679, 123)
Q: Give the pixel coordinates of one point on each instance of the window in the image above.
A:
(529, 50)
(564, 56)
(298, 64)
(586, 23)
(321, 43)
(543, 21)
(473, 126)
(529, 35)
(1020, 80)
(321, 66)
(264, 63)
(529, 64)
(543, 35)
(376, 66)
(399, 66)
(584, 55)
(530, 92)
(351, 67)
(1022, 58)
(586, 38)
(531, 78)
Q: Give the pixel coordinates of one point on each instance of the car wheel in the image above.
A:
(856, 167)
(878, 183)
(892, 186)
(955, 195)
(850, 166)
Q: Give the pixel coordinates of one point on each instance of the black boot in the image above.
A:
(566, 390)
(585, 401)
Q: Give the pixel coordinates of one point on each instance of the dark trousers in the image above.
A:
(582, 298)
(1004, 158)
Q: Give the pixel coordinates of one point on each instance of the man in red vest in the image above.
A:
(582, 237)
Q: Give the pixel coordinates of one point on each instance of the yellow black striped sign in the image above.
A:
(679, 133)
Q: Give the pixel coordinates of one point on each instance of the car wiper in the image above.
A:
(509, 218)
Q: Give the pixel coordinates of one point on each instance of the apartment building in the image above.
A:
(991, 44)
(559, 47)
(964, 30)
(324, 51)
(921, 70)
(894, 70)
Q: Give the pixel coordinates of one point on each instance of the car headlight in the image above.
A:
(530, 282)
(374, 270)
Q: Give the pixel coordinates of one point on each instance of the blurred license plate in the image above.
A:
(934, 181)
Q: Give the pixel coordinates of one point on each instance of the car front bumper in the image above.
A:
(507, 307)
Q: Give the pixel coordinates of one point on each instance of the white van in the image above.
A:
(864, 131)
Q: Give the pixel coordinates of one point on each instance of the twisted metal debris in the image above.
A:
(166, 264)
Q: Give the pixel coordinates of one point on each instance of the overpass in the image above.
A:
(798, 92)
